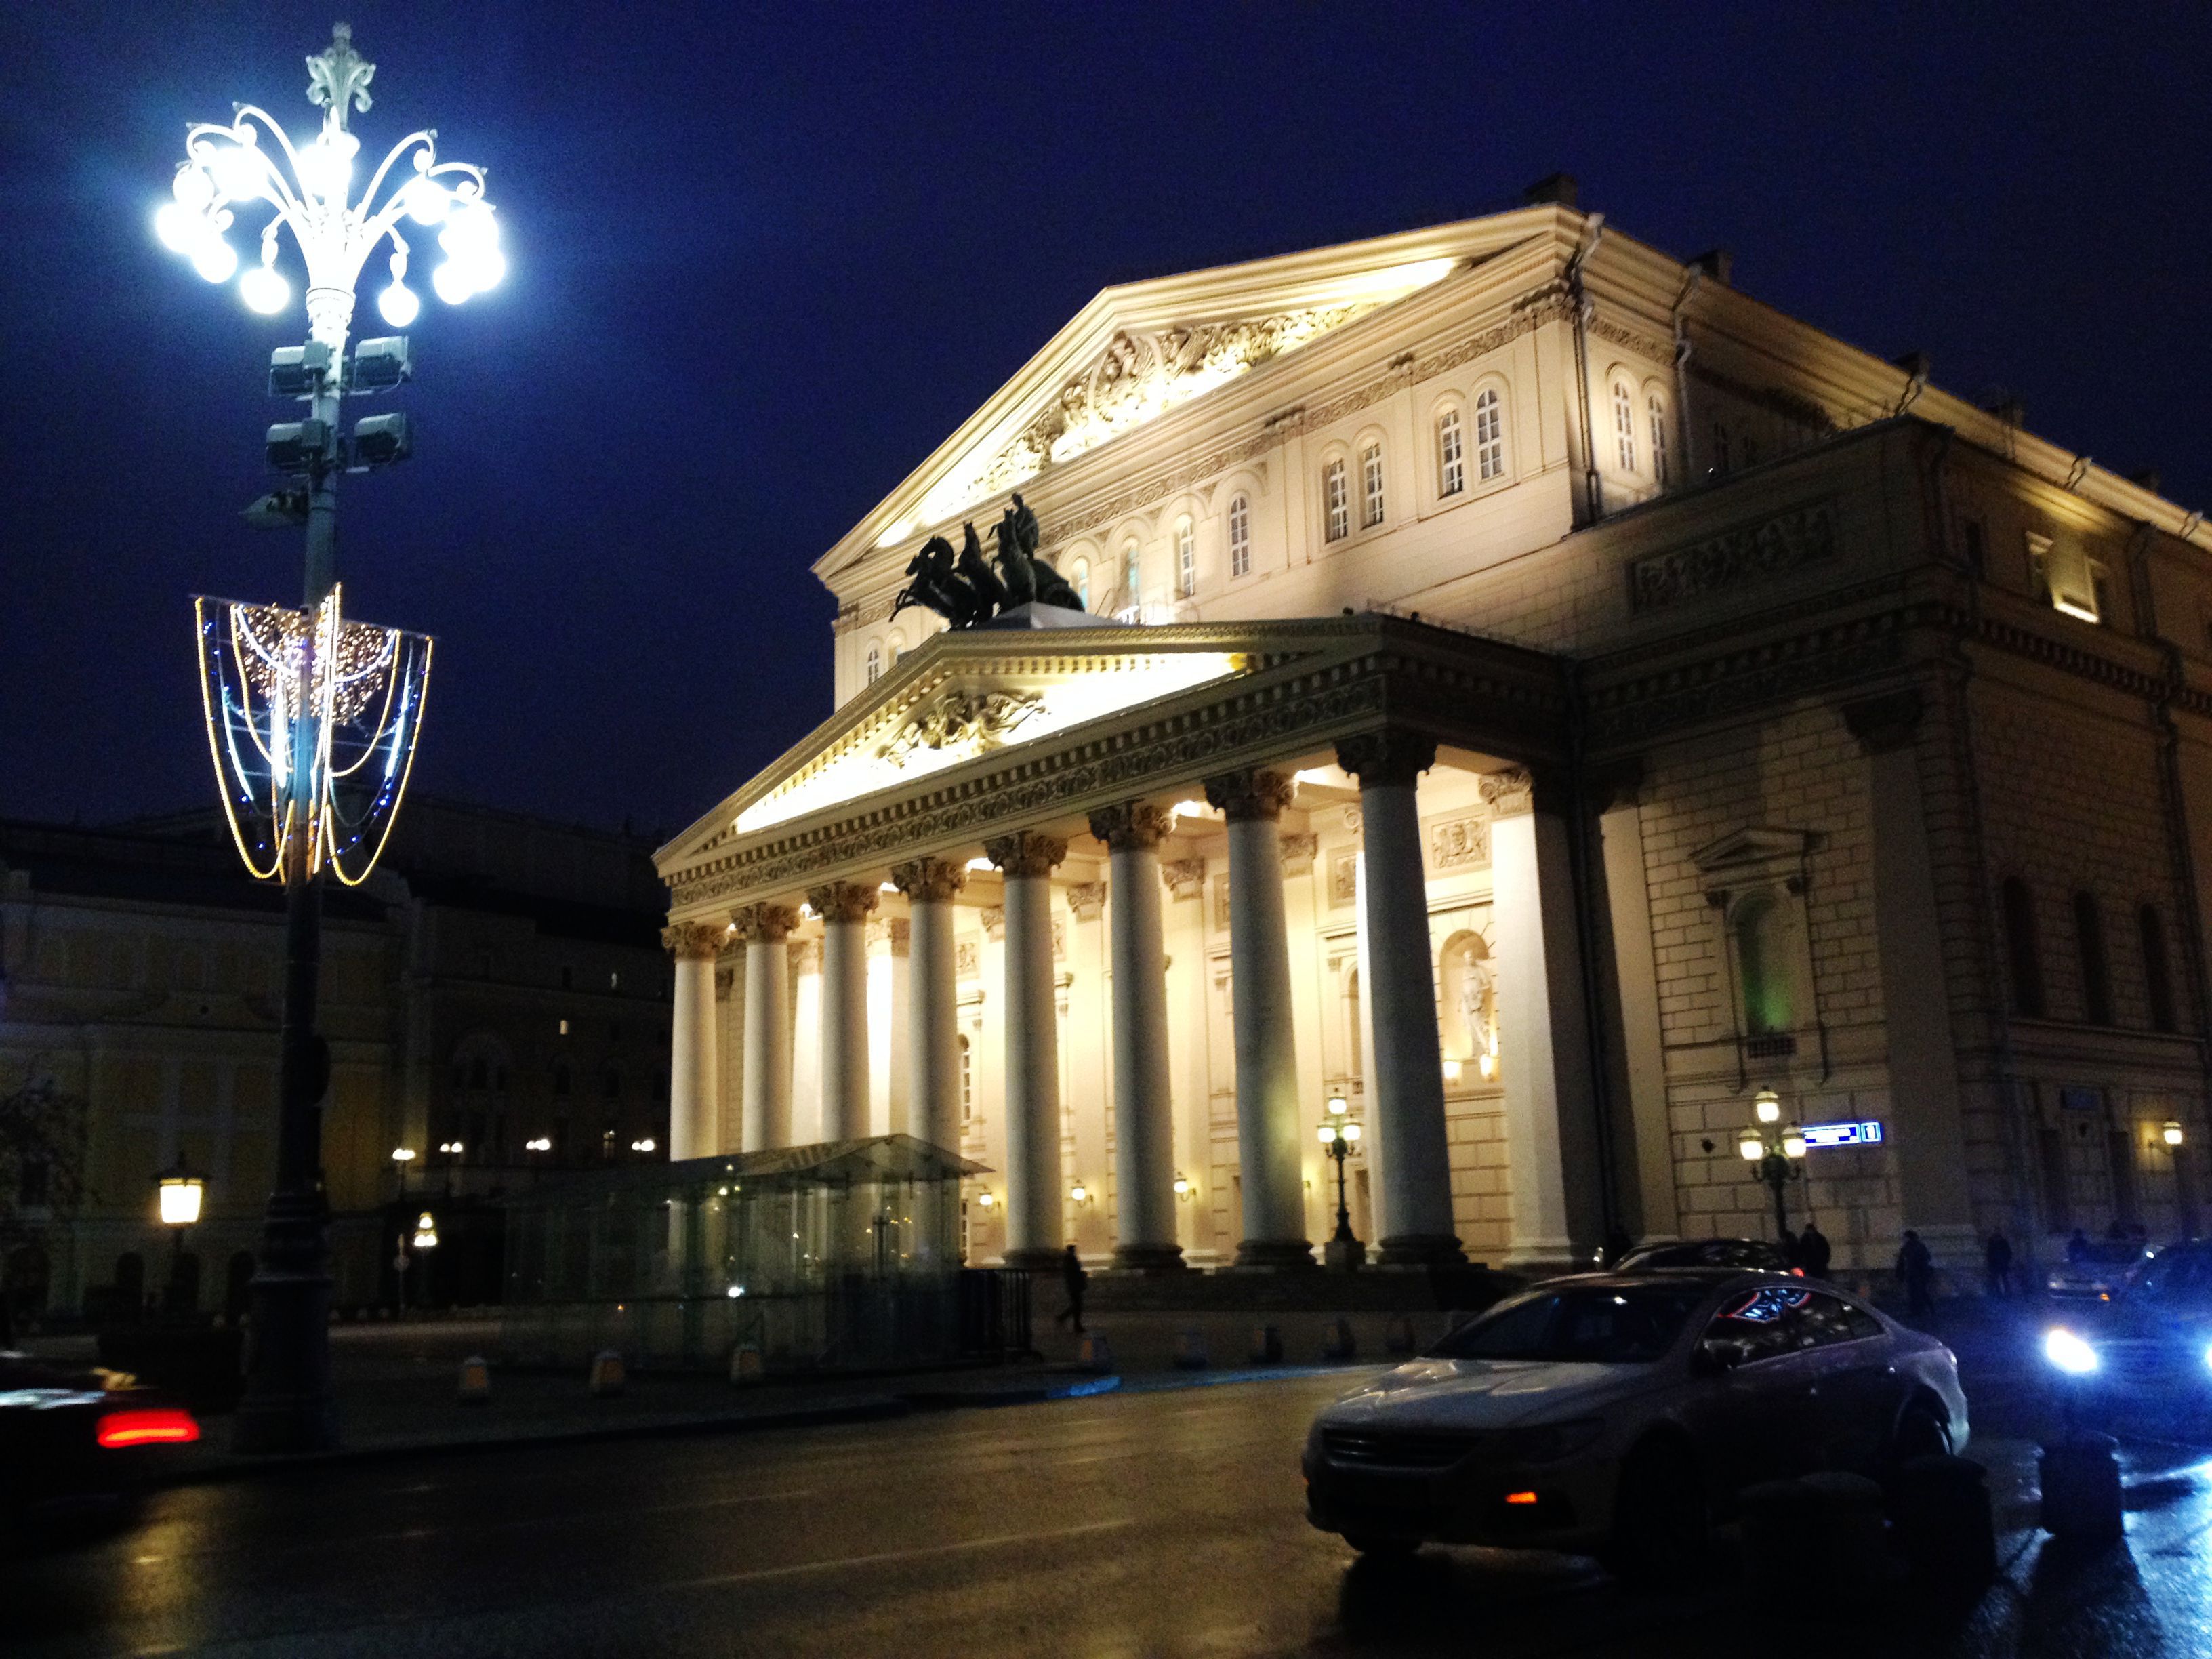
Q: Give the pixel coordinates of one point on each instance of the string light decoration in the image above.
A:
(276, 682)
(228, 169)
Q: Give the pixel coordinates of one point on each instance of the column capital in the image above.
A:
(1086, 899)
(766, 924)
(923, 880)
(1395, 756)
(1299, 852)
(1025, 853)
(694, 941)
(842, 901)
(1886, 722)
(994, 922)
(1184, 877)
(805, 956)
(1521, 789)
(1244, 797)
(1136, 825)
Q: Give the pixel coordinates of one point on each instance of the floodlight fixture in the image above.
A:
(380, 439)
(298, 446)
(298, 371)
(380, 365)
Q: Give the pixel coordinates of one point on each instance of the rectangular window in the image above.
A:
(1658, 413)
(2100, 592)
(1371, 476)
(2058, 1196)
(1976, 549)
(1489, 436)
(1720, 448)
(1451, 464)
(2039, 566)
(1240, 538)
(1336, 497)
(1186, 558)
(1624, 427)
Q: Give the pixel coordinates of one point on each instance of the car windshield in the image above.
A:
(1606, 1325)
(2179, 1276)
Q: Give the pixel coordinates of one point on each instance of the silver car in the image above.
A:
(1623, 1412)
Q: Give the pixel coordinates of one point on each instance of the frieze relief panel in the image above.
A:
(1748, 553)
(1343, 878)
(967, 960)
(1459, 843)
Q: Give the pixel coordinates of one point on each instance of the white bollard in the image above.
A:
(476, 1381)
(606, 1376)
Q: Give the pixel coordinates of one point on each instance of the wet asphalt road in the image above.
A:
(1167, 1523)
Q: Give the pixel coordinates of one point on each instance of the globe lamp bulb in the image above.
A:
(451, 283)
(178, 227)
(214, 259)
(399, 305)
(265, 290)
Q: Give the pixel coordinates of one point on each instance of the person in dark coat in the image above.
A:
(1916, 1269)
(1073, 1279)
(1997, 1255)
(1813, 1251)
(2077, 1249)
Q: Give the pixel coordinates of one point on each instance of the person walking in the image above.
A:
(1997, 1255)
(1813, 1251)
(1916, 1269)
(1073, 1279)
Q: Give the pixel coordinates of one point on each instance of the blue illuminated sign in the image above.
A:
(1842, 1135)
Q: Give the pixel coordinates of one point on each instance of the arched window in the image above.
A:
(2022, 952)
(967, 1082)
(1240, 536)
(897, 650)
(1623, 425)
(1451, 459)
(1764, 969)
(1185, 545)
(1657, 408)
(875, 661)
(1488, 435)
(1370, 486)
(1082, 582)
(1720, 446)
(1133, 571)
(1336, 499)
(2158, 973)
(2096, 969)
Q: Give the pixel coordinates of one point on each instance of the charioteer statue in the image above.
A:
(965, 589)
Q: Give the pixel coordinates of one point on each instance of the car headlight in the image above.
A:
(1549, 1442)
(2208, 1358)
(2069, 1351)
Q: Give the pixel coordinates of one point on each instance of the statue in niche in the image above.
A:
(966, 590)
(1474, 998)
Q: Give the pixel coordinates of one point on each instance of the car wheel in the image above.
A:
(1380, 1547)
(1659, 1519)
(1921, 1432)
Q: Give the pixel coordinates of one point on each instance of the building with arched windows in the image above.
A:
(1568, 696)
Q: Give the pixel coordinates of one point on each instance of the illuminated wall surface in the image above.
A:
(842, 1254)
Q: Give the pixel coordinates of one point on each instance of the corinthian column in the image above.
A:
(764, 1104)
(694, 1108)
(1033, 1173)
(1269, 1150)
(1144, 1118)
(843, 907)
(933, 1055)
(1415, 1218)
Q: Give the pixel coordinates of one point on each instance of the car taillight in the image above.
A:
(164, 1426)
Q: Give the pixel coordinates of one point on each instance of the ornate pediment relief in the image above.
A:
(961, 723)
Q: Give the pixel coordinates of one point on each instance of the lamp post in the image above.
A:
(311, 719)
(1339, 1135)
(1778, 1152)
(179, 1193)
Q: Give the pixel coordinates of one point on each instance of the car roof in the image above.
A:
(1712, 1277)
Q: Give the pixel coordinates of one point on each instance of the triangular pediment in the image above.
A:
(1752, 844)
(1141, 349)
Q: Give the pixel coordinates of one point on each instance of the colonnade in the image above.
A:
(1543, 1046)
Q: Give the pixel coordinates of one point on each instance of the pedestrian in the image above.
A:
(2077, 1249)
(1791, 1255)
(1074, 1278)
(1917, 1268)
(1998, 1255)
(1813, 1251)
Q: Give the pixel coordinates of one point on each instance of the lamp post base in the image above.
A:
(1343, 1254)
(289, 1405)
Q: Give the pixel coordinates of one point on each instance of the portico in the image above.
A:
(1159, 892)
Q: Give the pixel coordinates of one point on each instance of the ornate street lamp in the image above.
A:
(312, 719)
(1778, 1152)
(179, 1194)
(1339, 1135)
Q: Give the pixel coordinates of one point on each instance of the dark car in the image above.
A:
(2150, 1347)
(76, 1445)
(1623, 1412)
(2097, 1272)
(1751, 1255)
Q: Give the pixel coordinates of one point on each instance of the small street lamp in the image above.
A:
(1339, 1135)
(401, 1157)
(179, 1193)
(2172, 1134)
(1778, 1152)
(426, 1238)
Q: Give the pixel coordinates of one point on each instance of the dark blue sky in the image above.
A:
(762, 260)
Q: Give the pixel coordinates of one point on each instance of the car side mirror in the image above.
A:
(1712, 1359)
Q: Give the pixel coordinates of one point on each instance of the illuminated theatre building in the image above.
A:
(1534, 692)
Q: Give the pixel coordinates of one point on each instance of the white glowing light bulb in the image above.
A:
(179, 227)
(427, 202)
(452, 282)
(192, 188)
(214, 258)
(239, 171)
(265, 290)
(399, 305)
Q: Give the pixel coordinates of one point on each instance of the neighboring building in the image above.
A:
(1553, 697)
(497, 981)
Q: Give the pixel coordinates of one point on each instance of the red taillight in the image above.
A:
(1519, 1497)
(1796, 1273)
(154, 1426)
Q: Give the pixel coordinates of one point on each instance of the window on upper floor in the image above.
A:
(1488, 435)
(875, 662)
(2158, 972)
(1079, 578)
(1655, 408)
(1370, 486)
(1186, 548)
(1722, 458)
(1240, 536)
(562, 1082)
(1451, 455)
(1336, 499)
(1133, 570)
(2096, 969)
(1623, 425)
(898, 649)
(2023, 951)
(1975, 543)
(966, 1081)
(2101, 591)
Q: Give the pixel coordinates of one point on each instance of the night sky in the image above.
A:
(763, 259)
